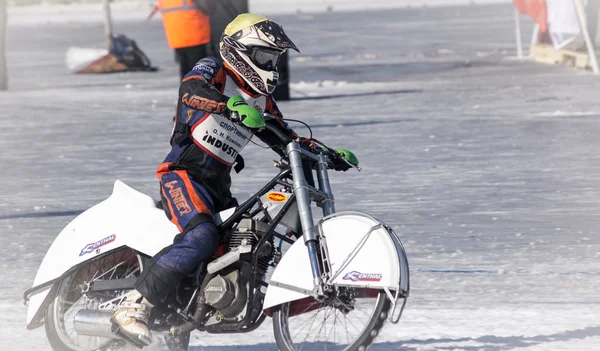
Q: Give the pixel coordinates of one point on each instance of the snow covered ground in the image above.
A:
(488, 167)
(61, 11)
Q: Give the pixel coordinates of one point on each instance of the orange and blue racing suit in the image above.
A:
(195, 176)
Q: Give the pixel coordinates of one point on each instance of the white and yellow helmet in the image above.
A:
(252, 45)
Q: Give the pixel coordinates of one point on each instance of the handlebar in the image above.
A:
(285, 139)
(332, 155)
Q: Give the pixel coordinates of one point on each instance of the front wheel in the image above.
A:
(348, 322)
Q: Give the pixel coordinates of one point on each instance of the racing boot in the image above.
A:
(132, 318)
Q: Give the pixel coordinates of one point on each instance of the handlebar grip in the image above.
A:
(284, 138)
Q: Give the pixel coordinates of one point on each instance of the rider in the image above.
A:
(220, 107)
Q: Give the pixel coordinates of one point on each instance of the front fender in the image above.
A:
(363, 252)
(127, 218)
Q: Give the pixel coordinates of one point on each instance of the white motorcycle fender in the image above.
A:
(363, 252)
(127, 218)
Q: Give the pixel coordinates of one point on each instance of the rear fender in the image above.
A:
(363, 252)
(127, 218)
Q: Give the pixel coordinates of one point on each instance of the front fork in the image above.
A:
(302, 191)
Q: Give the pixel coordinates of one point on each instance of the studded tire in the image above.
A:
(119, 264)
(360, 343)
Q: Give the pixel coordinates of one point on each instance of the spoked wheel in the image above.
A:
(348, 322)
(73, 295)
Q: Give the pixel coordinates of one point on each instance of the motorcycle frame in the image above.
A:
(303, 195)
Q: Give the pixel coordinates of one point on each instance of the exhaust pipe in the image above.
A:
(95, 323)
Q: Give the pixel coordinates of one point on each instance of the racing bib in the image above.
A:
(221, 138)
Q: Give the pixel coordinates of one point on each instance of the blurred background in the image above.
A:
(476, 124)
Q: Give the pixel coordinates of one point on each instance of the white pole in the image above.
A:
(535, 35)
(3, 70)
(586, 35)
(518, 34)
(107, 22)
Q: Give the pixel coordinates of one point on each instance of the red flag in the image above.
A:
(535, 9)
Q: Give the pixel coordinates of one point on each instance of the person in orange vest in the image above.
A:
(187, 27)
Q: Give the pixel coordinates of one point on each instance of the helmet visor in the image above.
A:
(265, 58)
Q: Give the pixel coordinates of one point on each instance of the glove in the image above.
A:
(344, 155)
(308, 144)
(248, 115)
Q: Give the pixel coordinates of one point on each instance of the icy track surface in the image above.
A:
(63, 11)
(488, 167)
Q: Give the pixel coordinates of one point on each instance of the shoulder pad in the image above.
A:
(208, 65)
(207, 68)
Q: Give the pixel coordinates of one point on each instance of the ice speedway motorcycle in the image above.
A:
(340, 279)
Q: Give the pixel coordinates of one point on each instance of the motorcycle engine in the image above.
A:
(227, 292)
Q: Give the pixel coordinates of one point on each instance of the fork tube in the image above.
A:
(301, 191)
(304, 210)
(324, 185)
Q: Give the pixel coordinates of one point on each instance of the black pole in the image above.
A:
(225, 11)
(282, 92)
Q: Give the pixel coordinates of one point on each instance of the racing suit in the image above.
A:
(195, 176)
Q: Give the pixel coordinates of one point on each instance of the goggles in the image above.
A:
(264, 58)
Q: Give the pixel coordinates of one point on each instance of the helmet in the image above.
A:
(252, 45)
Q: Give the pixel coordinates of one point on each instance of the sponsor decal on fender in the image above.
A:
(93, 246)
(276, 197)
(362, 277)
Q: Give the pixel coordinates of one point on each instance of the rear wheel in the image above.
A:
(72, 296)
(348, 322)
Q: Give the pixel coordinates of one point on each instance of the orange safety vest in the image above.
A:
(185, 25)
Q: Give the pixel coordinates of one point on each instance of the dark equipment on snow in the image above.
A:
(129, 54)
(124, 56)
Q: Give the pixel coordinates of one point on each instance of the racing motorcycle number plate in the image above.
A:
(221, 138)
